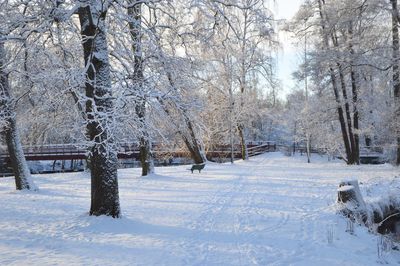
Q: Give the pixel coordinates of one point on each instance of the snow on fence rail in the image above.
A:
(266, 147)
(130, 151)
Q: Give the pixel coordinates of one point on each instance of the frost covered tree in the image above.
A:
(42, 19)
(11, 29)
(244, 30)
(99, 109)
(135, 27)
(178, 93)
(9, 127)
(348, 118)
(250, 24)
(347, 41)
(177, 106)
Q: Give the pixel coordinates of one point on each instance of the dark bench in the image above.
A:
(197, 167)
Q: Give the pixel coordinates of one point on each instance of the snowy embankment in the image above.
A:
(272, 210)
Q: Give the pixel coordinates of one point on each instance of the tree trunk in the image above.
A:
(308, 135)
(243, 85)
(10, 131)
(189, 138)
(243, 146)
(240, 127)
(396, 71)
(194, 151)
(102, 154)
(351, 158)
(146, 156)
(195, 147)
(355, 117)
(135, 21)
(339, 108)
(228, 71)
(346, 128)
(231, 108)
(354, 91)
(19, 165)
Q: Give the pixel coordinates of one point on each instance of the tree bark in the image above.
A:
(10, 131)
(135, 21)
(102, 154)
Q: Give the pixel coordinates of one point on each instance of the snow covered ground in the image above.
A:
(271, 210)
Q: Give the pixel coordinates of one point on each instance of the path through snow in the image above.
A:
(271, 210)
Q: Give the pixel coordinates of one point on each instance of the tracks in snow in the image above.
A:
(200, 245)
(233, 216)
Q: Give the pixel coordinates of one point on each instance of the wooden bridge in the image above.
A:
(130, 151)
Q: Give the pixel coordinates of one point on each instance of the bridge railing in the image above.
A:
(266, 147)
(131, 150)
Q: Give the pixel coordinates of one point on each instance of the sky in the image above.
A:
(288, 55)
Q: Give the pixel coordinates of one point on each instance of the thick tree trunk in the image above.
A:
(10, 131)
(135, 21)
(396, 71)
(102, 154)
